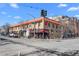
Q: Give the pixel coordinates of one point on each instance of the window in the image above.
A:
(56, 26)
(17, 28)
(26, 26)
(53, 25)
(49, 24)
(29, 25)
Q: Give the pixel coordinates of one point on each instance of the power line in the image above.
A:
(35, 7)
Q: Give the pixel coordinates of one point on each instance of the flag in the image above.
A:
(46, 23)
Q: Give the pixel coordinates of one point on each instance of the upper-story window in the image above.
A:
(17, 28)
(53, 25)
(49, 24)
(26, 26)
(56, 26)
(39, 23)
(29, 26)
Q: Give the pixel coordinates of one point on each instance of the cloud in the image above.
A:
(14, 5)
(3, 12)
(17, 17)
(62, 5)
(73, 8)
(77, 16)
(50, 17)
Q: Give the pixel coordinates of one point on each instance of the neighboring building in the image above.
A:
(71, 25)
(74, 26)
(40, 27)
(0, 30)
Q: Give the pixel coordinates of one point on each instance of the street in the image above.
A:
(19, 48)
(37, 47)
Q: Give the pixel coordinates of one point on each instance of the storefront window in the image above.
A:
(56, 26)
(52, 25)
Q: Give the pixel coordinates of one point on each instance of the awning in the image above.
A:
(43, 30)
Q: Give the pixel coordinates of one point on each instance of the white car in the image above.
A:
(11, 34)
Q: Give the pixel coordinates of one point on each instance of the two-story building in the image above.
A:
(42, 27)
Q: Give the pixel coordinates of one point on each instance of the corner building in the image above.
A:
(42, 27)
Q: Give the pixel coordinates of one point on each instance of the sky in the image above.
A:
(13, 13)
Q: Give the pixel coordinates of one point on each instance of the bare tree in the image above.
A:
(6, 28)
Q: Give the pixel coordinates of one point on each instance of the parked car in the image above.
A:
(13, 34)
(3, 33)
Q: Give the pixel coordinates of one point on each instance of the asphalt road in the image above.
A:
(17, 47)
(36, 47)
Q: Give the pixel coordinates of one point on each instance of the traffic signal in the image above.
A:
(43, 13)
